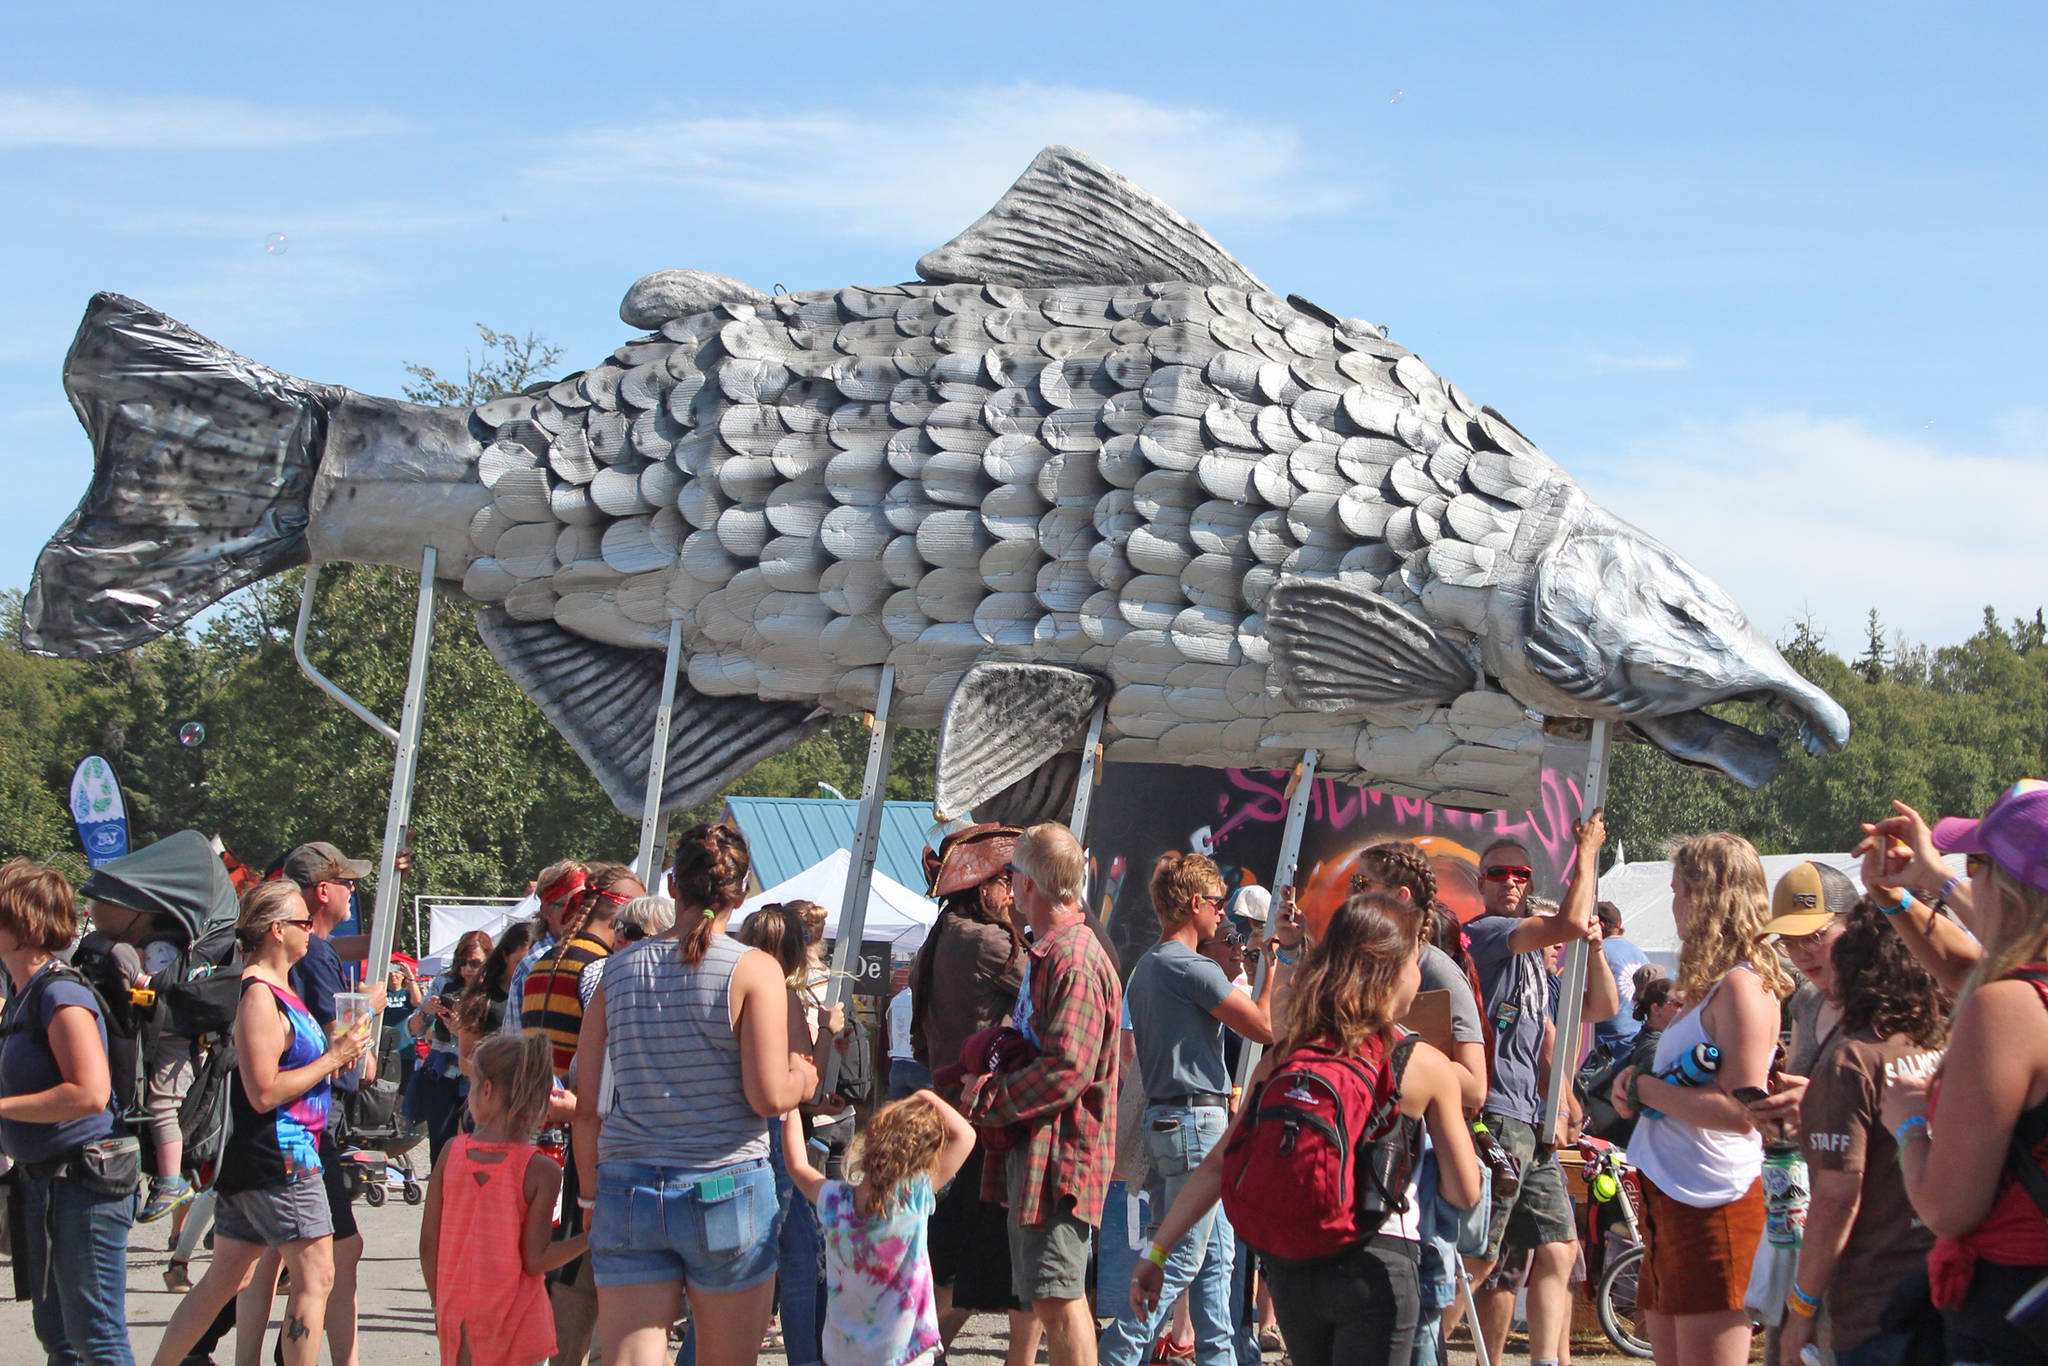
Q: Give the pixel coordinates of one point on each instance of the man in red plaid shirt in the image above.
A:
(1059, 1109)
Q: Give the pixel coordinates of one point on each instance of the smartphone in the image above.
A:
(1750, 1095)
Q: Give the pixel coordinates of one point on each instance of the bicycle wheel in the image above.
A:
(1616, 1303)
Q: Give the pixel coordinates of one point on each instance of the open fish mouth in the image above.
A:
(1752, 759)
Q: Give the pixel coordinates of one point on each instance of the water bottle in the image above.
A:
(1696, 1068)
(1785, 1198)
(1507, 1173)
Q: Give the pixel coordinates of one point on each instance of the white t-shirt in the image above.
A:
(899, 1025)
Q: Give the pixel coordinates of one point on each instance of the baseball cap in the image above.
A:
(1807, 897)
(322, 862)
(1251, 904)
(2013, 834)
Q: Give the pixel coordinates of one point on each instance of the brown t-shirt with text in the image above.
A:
(1839, 1118)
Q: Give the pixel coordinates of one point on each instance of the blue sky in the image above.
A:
(1768, 279)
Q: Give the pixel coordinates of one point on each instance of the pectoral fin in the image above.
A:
(1070, 220)
(602, 698)
(1338, 648)
(1008, 747)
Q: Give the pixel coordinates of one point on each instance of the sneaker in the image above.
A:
(177, 1278)
(166, 1194)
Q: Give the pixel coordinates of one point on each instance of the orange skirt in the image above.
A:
(1698, 1260)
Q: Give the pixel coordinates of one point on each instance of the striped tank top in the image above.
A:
(677, 1096)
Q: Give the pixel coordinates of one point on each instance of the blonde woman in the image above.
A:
(270, 1191)
(1697, 1145)
(1964, 1177)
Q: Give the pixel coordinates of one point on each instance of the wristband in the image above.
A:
(1907, 1126)
(585, 1202)
(1156, 1255)
(1948, 889)
(1798, 1302)
(1281, 955)
(1905, 904)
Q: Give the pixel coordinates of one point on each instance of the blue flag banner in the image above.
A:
(97, 808)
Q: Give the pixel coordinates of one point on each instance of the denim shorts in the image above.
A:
(711, 1227)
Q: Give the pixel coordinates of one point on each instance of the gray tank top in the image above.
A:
(677, 1096)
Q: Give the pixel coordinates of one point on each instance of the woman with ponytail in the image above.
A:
(678, 1159)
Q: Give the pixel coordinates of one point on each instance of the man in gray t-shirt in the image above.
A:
(1179, 1004)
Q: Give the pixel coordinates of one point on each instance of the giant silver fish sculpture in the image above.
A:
(1088, 457)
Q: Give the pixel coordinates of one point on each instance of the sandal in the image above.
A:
(1271, 1341)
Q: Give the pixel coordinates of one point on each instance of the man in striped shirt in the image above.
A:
(1056, 1114)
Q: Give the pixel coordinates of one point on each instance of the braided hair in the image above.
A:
(709, 878)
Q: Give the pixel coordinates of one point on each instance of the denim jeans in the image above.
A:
(907, 1076)
(1360, 1309)
(81, 1305)
(1177, 1138)
(802, 1245)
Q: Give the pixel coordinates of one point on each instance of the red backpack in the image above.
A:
(1322, 1155)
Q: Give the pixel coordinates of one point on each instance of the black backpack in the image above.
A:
(203, 1008)
(124, 1052)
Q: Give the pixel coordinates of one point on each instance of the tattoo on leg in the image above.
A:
(295, 1329)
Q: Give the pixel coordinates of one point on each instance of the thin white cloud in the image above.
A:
(1796, 514)
(1609, 362)
(86, 119)
(922, 175)
(311, 224)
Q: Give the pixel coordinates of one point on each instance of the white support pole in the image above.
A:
(1299, 790)
(657, 756)
(1471, 1309)
(867, 840)
(398, 816)
(1571, 986)
(657, 868)
(1084, 790)
(321, 680)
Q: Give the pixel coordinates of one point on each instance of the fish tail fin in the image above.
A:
(203, 466)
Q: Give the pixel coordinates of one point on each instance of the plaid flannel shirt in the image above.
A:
(1066, 1098)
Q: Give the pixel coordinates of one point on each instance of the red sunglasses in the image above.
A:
(1505, 874)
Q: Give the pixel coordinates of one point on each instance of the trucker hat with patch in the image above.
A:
(1807, 897)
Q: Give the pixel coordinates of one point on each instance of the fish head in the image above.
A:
(1612, 624)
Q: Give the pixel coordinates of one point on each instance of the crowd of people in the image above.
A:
(641, 1115)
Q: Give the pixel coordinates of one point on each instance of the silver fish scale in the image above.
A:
(1103, 476)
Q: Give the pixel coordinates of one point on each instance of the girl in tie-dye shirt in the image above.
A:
(879, 1278)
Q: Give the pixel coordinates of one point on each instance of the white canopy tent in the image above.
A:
(449, 921)
(894, 913)
(1643, 892)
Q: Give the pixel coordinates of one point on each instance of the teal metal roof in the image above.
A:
(788, 834)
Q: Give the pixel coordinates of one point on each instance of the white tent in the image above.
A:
(894, 911)
(448, 923)
(1643, 892)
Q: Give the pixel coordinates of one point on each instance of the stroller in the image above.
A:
(374, 1134)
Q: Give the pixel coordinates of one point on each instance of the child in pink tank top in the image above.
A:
(491, 1210)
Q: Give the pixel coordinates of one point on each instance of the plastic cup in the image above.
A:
(351, 1011)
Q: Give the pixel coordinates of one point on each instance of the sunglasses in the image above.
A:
(1508, 874)
(1974, 863)
(303, 923)
(1215, 899)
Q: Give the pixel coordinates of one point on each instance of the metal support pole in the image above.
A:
(658, 868)
(867, 839)
(1084, 789)
(398, 816)
(320, 680)
(1300, 789)
(1471, 1309)
(657, 757)
(1571, 987)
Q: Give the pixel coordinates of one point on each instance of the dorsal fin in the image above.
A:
(1070, 220)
